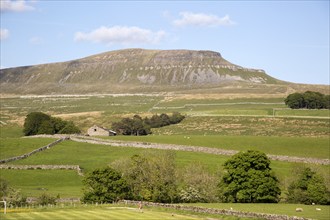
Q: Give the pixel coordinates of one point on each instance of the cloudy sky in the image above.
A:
(288, 39)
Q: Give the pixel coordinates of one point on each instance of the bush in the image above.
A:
(138, 126)
(46, 199)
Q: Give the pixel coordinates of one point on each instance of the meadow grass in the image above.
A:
(66, 183)
(309, 211)
(92, 156)
(119, 211)
(248, 126)
(303, 112)
(105, 211)
(291, 146)
(10, 147)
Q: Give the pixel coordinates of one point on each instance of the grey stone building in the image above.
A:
(100, 131)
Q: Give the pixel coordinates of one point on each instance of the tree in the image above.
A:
(295, 101)
(197, 184)
(33, 121)
(69, 128)
(105, 185)
(308, 188)
(176, 118)
(40, 123)
(151, 176)
(309, 99)
(10, 195)
(249, 179)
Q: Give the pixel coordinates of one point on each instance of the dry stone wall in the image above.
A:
(216, 211)
(42, 167)
(34, 152)
(209, 150)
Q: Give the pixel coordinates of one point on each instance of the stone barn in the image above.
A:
(100, 131)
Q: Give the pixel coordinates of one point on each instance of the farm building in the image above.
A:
(99, 131)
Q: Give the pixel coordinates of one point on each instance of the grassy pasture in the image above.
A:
(238, 124)
(91, 156)
(291, 146)
(131, 212)
(65, 183)
(11, 147)
(248, 126)
(100, 213)
(281, 209)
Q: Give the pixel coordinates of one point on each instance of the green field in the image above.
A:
(262, 124)
(120, 211)
(104, 212)
(91, 156)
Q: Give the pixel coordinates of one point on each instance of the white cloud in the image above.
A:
(16, 6)
(202, 20)
(121, 35)
(4, 34)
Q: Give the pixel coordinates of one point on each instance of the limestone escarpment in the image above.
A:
(130, 70)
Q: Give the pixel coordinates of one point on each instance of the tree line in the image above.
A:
(154, 177)
(41, 123)
(309, 100)
(142, 126)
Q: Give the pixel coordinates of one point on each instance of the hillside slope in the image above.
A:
(131, 70)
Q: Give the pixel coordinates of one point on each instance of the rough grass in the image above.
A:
(248, 126)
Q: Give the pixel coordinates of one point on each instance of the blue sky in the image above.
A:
(288, 39)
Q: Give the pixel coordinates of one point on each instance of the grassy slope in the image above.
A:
(90, 156)
(291, 146)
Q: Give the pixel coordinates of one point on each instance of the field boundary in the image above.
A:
(42, 167)
(34, 151)
(217, 151)
(215, 211)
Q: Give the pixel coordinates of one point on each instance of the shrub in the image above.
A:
(46, 199)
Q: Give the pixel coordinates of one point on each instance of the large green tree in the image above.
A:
(309, 99)
(105, 185)
(249, 179)
(41, 123)
(308, 188)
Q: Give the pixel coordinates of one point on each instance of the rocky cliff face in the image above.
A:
(129, 70)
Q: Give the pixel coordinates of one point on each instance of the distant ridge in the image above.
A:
(132, 70)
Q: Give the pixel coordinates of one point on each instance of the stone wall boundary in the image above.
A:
(215, 211)
(34, 151)
(42, 167)
(176, 147)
